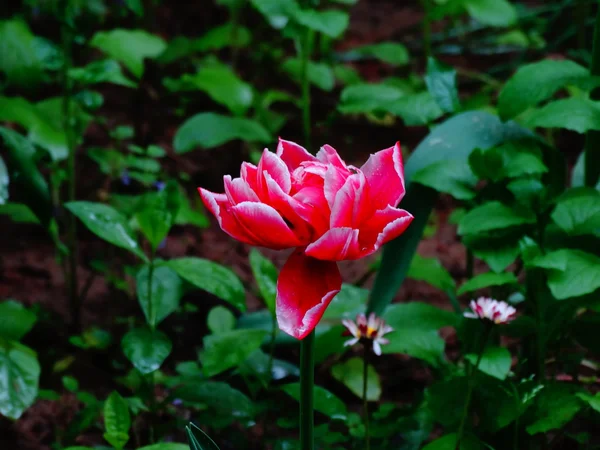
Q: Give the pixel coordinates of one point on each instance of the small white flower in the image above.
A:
(490, 309)
(372, 329)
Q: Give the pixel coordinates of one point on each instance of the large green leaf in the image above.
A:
(418, 315)
(452, 140)
(576, 114)
(165, 446)
(350, 373)
(363, 97)
(208, 130)
(226, 350)
(578, 212)
(166, 288)
(319, 74)
(19, 59)
(441, 83)
(556, 406)
(497, 13)
(220, 320)
(156, 213)
(212, 277)
(146, 349)
(451, 177)
(198, 439)
(392, 53)
(493, 216)
(538, 81)
(107, 223)
(25, 175)
(130, 47)
(431, 271)
(488, 279)
(415, 109)
(19, 378)
(103, 71)
(117, 421)
(324, 401)
(277, 12)
(448, 442)
(332, 23)
(495, 361)
(571, 273)
(222, 85)
(220, 398)
(265, 273)
(15, 320)
(418, 343)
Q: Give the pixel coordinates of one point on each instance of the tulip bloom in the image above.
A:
(327, 210)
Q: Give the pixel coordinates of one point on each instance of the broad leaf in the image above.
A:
(226, 350)
(324, 401)
(208, 130)
(488, 279)
(363, 97)
(578, 212)
(19, 58)
(15, 320)
(211, 277)
(117, 421)
(130, 47)
(417, 342)
(265, 273)
(107, 223)
(571, 273)
(350, 373)
(165, 446)
(349, 302)
(455, 139)
(198, 439)
(415, 109)
(166, 289)
(392, 53)
(493, 216)
(556, 406)
(441, 83)
(157, 212)
(332, 23)
(495, 361)
(19, 378)
(277, 12)
(451, 177)
(497, 13)
(220, 320)
(418, 315)
(146, 349)
(319, 74)
(103, 71)
(219, 397)
(431, 271)
(448, 442)
(576, 114)
(535, 82)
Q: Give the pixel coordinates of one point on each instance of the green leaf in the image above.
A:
(324, 401)
(4, 181)
(448, 442)
(226, 35)
(19, 378)
(451, 177)
(107, 223)
(576, 114)
(220, 320)
(26, 177)
(349, 302)
(418, 343)
(130, 47)
(198, 439)
(211, 277)
(441, 84)
(166, 288)
(226, 350)
(578, 212)
(135, 6)
(331, 23)
(493, 216)
(15, 320)
(319, 74)
(509, 160)
(592, 400)
(418, 315)
(363, 97)
(431, 271)
(103, 71)
(157, 212)
(165, 446)
(265, 273)
(497, 13)
(556, 406)
(415, 109)
(220, 398)
(498, 252)
(117, 421)
(488, 279)
(19, 59)
(277, 12)
(209, 130)
(19, 213)
(392, 53)
(571, 273)
(146, 349)
(350, 374)
(535, 82)
(455, 139)
(495, 362)
(222, 85)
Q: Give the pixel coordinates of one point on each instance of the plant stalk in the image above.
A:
(592, 138)
(67, 116)
(306, 50)
(307, 381)
(426, 28)
(365, 399)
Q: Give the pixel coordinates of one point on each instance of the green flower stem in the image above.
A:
(365, 399)
(471, 385)
(150, 275)
(305, 52)
(307, 381)
(426, 28)
(272, 346)
(67, 117)
(592, 139)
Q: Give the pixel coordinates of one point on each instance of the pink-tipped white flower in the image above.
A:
(490, 309)
(372, 329)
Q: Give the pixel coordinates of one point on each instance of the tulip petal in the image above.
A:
(219, 206)
(328, 154)
(249, 173)
(273, 165)
(384, 171)
(238, 190)
(265, 224)
(337, 244)
(334, 179)
(293, 154)
(351, 206)
(385, 225)
(305, 288)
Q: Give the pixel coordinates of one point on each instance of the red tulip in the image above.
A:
(327, 210)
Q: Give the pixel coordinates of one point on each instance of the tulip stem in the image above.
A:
(307, 381)
(470, 385)
(365, 399)
(305, 51)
